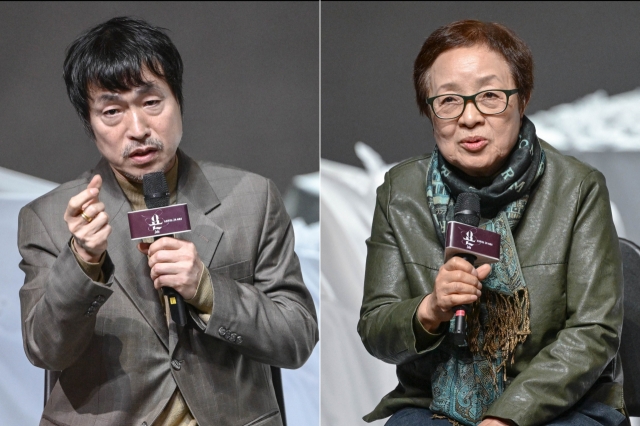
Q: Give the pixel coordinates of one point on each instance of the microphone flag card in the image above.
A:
(462, 238)
(159, 222)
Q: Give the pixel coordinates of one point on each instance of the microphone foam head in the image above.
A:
(155, 189)
(467, 209)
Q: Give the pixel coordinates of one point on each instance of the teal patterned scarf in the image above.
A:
(468, 380)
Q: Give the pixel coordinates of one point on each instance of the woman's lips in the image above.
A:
(474, 144)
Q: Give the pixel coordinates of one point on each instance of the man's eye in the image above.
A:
(152, 102)
(110, 112)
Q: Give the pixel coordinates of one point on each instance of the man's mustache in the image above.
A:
(152, 142)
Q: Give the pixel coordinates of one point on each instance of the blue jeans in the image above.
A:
(584, 414)
(414, 416)
(590, 414)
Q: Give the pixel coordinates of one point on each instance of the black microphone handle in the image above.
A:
(156, 195)
(176, 303)
(460, 328)
(176, 306)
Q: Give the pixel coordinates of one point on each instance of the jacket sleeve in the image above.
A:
(386, 324)
(564, 371)
(58, 300)
(272, 320)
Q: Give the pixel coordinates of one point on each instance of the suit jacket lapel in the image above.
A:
(131, 267)
(197, 193)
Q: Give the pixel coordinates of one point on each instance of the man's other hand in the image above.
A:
(174, 263)
(88, 222)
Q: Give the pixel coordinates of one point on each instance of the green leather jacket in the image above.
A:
(570, 258)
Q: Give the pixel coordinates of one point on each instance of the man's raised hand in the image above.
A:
(88, 222)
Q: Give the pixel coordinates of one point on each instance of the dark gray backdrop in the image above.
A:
(251, 84)
(368, 49)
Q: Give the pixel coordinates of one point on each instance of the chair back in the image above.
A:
(276, 378)
(630, 339)
(50, 379)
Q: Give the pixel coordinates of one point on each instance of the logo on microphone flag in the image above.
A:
(159, 222)
(463, 238)
(469, 239)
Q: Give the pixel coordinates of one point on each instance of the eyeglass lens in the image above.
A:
(489, 102)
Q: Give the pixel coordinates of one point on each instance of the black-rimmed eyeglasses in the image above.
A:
(488, 102)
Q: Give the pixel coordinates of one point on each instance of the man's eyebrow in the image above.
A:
(145, 88)
(115, 96)
(108, 97)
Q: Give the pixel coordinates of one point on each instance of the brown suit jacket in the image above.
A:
(120, 362)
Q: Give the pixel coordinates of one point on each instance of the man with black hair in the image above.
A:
(91, 306)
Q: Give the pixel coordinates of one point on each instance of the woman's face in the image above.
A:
(475, 143)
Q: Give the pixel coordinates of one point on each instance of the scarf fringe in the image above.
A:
(453, 422)
(507, 325)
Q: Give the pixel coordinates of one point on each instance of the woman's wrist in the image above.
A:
(428, 321)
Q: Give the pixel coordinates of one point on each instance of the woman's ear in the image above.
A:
(524, 106)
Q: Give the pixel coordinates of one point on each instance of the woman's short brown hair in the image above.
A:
(470, 33)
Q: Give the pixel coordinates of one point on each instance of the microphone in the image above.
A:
(156, 195)
(466, 211)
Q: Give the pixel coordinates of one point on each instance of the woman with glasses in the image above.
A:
(543, 323)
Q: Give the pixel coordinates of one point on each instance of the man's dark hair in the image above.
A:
(113, 56)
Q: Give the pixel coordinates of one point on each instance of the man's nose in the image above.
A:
(470, 115)
(138, 126)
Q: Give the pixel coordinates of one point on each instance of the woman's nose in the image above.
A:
(470, 115)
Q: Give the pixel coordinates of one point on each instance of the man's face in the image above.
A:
(137, 131)
(476, 143)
